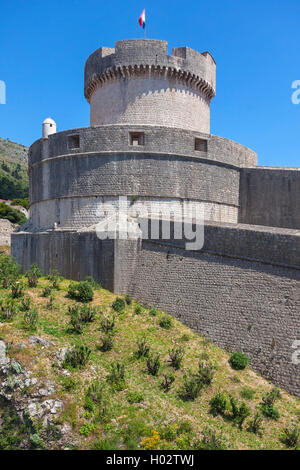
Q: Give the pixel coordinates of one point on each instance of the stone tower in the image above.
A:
(139, 83)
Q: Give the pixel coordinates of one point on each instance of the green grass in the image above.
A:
(123, 419)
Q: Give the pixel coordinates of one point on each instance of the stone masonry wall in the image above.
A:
(271, 197)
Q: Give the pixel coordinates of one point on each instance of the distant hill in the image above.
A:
(13, 170)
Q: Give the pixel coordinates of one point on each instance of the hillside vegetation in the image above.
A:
(125, 376)
(13, 170)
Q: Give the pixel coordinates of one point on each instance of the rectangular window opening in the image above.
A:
(201, 145)
(73, 141)
(136, 139)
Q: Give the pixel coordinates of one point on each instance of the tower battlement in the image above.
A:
(137, 82)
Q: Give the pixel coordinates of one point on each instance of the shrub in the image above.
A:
(8, 309)
(31, 318)
(33, 275)
(86, 429)
(255, 424)
(270, 411)
(13, 215)
(166, 322)
(95, 285)
(50, 303)
(95, 398)
(143, 347)
(248, 393)
(153, 364)
(238, 361)
(117, 376)
(138, 310)
(118, 305)
(210, 441)
(76, 322)
(176, 357)
(81, 291)
(270, 397)
(46, 292)
(10, 271)
(205, 374)
(167, 382)
(191, 387)
(55, 278)
(239, 412)
(107, 343)
(267, 406)
(128, 299)
(168, 433)
(134, 397)
(107, 325)
(88, 313)
(218, 404)
(25, 304)
(153, 312)
(69, 384)
(77, 357)
(17, 289)
(291, 435)
(185, 427)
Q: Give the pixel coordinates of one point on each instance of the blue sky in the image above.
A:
(256, 45)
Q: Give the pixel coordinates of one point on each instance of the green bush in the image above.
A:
(138, 310)
(185, 427)
(17, 289)
(33, 275)
(128, 299)
(77, 357)
(95, 285)
(21, 202)
(107, 343)
(134, 397)
(291, 435)
(218, 404)
(143, 347)
(55, 278)
(191, 387)
(256, 424)
(176, 357)
(116, 377)
(210, 441)
(25, 304)
(95, 398)
(81, 291)
(107, 325)
(31, 318)
(153, 364)
(238, 361)
(168, 433)
(166, 322)
(10, 271)
(239, 412)
(205, 374)
(8, 309)
(69, 384)
(76, 322)
(13, 215)
(167, 382)
(46, 292)
(118, 305)
(267, 406)
(153, 312)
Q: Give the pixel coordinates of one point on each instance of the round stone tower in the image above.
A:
(149, 142)
(139, 83)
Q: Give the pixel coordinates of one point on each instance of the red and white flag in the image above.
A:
(142, 20)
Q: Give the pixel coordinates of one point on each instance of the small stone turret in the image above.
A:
(49, 127)
(139, 83)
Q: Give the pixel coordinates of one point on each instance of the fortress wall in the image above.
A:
(270, 196)
(79, 212)
(152, 101)
(241, 305)
(160, 140)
